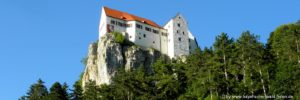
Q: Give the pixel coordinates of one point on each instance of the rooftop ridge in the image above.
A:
(128, 17)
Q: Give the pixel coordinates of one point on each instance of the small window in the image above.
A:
(119, 23)
(179, 39)
(155, 31)
(128, 25)
(140, 38)
(178, 25)
(139, 26)
(144, 35)
(179, 17)
(130, 36)
(183, 33)
(113, 22)
(148, 29)
(153, 42)
(177, 31)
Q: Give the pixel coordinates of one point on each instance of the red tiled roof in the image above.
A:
(128, 17)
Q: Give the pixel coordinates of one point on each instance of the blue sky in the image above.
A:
(48, 38)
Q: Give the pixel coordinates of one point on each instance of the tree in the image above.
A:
(77, 93)
(284, 46)
(251, 62)
(223, 49)
(91, 91)
(37, 91)
(58, 92)
(199, 71)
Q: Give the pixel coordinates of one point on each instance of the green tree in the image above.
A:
(92, 91)
(284, 46)
(77, 93)
(58, 92)
(37, 91)
(251, 61)
(223, 49)
(166, 80)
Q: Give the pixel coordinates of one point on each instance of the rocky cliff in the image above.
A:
(106, 56)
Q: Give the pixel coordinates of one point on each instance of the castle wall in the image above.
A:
(170, 31)
(181, 39)
(147, 39)
(102, 24)
(164, 41)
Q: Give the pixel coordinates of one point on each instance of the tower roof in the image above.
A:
(128, 17)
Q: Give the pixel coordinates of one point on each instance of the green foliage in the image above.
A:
(284, 46)
(91, 91)
(119, 38)
(77, 92)
(36, 91)
(58, 92)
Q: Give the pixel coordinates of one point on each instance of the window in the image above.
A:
(153, 42)
(130, 36)
(179, 39)
(148, 29)
(178, 25)
(128, 25)
(113, 22)
(177, 31)
(140, 38)
(183, 33)
(179, 17)
(155, 31)
(144, 35)
(119, 23)
(139, 26)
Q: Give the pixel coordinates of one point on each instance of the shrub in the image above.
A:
(119, 38)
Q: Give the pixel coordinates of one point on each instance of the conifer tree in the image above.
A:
(223, 49)
(77, 93)
(251, 61)
(37, 91)
(92, 91)
(58, 92)
(284, 45)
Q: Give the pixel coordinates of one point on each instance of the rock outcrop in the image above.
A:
(106, 56)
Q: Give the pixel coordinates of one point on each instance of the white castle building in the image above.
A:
(173, 39)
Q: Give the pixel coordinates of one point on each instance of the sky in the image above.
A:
(48, 38)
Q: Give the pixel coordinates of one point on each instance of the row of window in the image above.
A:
(144, 35)
(182, 32)
(147, 28)
(120, 23)
(137, 25)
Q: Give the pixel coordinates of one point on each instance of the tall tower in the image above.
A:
(178, 38)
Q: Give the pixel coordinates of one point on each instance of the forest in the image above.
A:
(242, 68)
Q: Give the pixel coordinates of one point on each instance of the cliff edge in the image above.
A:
(107, 55)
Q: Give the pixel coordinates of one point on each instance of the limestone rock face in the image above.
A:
(106, 56)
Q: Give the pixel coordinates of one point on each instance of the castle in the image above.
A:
(173, 39)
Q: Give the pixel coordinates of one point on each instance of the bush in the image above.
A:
(119, 38)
